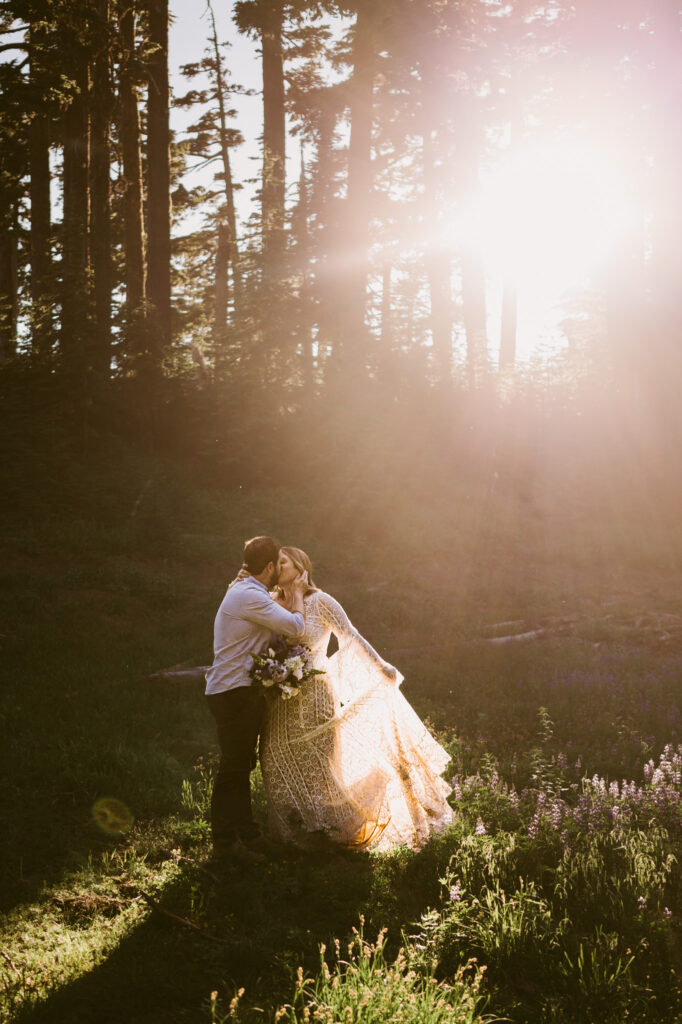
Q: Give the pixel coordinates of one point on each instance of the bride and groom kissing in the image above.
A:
(347, 760)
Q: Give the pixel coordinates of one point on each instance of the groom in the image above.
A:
(245, 621)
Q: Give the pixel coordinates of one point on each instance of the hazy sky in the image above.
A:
(190, 27)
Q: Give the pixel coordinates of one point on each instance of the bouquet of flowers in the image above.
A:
(282, 668)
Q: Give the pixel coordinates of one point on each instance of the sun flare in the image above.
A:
(549, 216)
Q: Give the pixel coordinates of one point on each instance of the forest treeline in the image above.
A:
(347, 281)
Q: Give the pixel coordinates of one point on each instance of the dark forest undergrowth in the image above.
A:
(561, 875)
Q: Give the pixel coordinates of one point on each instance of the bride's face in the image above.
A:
(286, 570)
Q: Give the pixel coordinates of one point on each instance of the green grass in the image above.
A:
(113, 567)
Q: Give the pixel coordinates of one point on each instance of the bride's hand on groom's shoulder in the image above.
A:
(243, 574)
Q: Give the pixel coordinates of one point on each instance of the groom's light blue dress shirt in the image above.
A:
(244, 624)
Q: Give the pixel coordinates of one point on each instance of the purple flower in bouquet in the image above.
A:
(282, 668)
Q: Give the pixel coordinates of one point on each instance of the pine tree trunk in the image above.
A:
(473, 297)
(8, 287)
(438, 269)
(472, 269)
(325, 284)
(301, 268)
(666, 241)
(221, 92)
(273, 133)
(100, 192)
(387, 345)
(360, 180)
(508, 326)
(158, 182)
(42, 313)
(129, 132)
(508, 319)
(75, 320)
(222, 259)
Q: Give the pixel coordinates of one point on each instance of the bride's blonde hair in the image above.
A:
(303, 564)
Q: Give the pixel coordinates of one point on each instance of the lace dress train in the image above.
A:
(349, 759)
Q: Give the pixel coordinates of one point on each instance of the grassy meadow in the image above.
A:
(555, 897)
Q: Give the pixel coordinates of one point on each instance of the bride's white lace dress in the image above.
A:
(349, 758)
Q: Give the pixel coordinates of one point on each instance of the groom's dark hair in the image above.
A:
(259, 551)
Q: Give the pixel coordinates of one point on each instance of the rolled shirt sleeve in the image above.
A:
(262, 610)
(244, 625)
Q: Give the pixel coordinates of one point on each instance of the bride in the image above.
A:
(348, 759)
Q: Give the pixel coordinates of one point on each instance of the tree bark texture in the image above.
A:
(328, 242)
(273, 132)
(472, 269)
(221, 94)
(158, 181)
(359, 181)
(129, 132)
(8, 288)
(100, 195)
(41, 286)
(222, 259)
(437, 267)
(75, 320)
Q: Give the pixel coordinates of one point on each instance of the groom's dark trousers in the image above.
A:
(239, 716)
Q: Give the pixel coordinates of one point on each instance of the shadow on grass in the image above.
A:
(259, 924)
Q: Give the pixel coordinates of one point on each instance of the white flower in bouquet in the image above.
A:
(282, 669)
(295, 666)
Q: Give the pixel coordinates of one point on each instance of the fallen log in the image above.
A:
(181, 675)
(532, 634)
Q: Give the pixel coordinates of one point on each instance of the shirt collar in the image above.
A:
(252, 579)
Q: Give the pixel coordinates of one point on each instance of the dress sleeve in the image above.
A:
(333, 616)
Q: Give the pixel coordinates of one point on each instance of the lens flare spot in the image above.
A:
(112, 815)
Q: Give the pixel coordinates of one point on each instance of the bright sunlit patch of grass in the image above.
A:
(74, 927)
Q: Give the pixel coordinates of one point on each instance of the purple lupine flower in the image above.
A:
(556, 814)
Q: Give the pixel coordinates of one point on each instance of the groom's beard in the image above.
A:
(274, 578)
